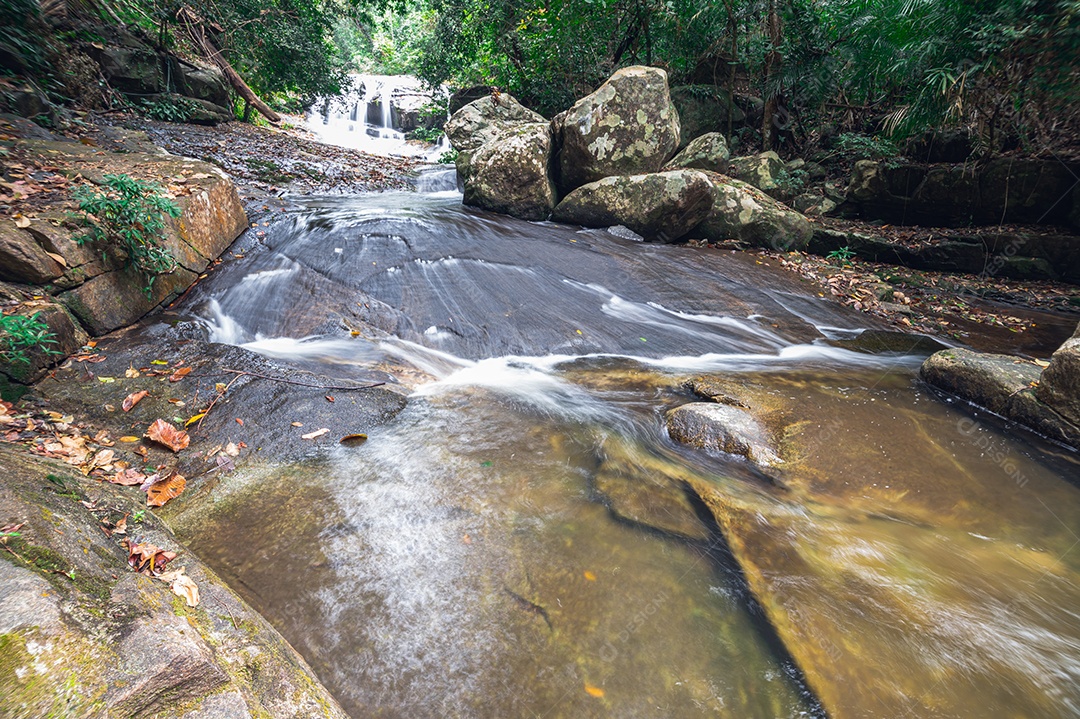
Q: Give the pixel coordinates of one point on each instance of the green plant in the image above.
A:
(138, 516)
(170, 108)
(842, 255)
(425, 134)
(791, 181)
(130, 214)
(854, 146)
(449, 157)
(20, 333)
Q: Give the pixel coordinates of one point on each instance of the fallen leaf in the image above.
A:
(232, 450)
(179, 374)
(22, 222)
(590, 576)
(240, 421)
(182, 586)
(194, 419)
(59, 258)
(316, 433)
(353, 439)
(103, 458)
(159, 362)
(297, 424)
(133, 399)
(164, 433)
(594, 691)
(128, 478)
(131, 373)
(162, 491)
(148, 558)
(129, 439)
(329, 398)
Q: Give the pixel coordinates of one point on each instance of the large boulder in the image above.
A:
(703, 109)
(485, 119)
(204, 82)
(660, 207)
(761, 170)
(510, 174)
(627, 127)
(744, 213)
(708, 152)
(66, 338)
(1004, 385)
(1059, 385)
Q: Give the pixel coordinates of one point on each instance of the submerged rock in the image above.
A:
(627, 127)
(723, 427)
(744, 213)
(661, 207)
(485, 119)
(1004, 385)
(1059, 385)
(510, 174)
(708, 152)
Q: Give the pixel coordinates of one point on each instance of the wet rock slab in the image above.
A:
(83, 635)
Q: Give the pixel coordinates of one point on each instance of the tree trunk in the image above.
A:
(196, 29)
(772, 70)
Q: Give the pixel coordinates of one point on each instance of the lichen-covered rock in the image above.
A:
(707, 152)
(627, 127)
(703, 109)
(510, 174)
(744, 213)
(1059, 385)
(23, 260)
(761, 170)
(661, 207)
(1002, 384)
(707, 425)
(485, 119)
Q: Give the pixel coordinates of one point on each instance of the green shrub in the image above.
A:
(170, 108)
(425, 134)
(449, 157)
(20, 333)
(854, 146)
(129, 215)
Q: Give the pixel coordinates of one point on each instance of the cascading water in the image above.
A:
(520, 541)
(363, 118)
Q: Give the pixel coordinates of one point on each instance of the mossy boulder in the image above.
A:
(510, 174)
(485, 119)
(660, 207)
(628, 126)
(707, 152)
(744, 213)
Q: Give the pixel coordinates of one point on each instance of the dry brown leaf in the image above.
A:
(179, 374)
(128, 478)
(182, 586)
(316, 433)
(162, 491)
(232, 450)
(148, 558)
(164, 433)
(353, 439)
(133, 399)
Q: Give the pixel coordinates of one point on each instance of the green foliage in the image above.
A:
(842, 256)
(24, 36)
(170, 108)
(855, 146)
(425, 134)
(791, 182)
(129, 215)
(449, 157)
(20, 334)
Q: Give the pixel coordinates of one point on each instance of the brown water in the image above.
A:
(474, 557)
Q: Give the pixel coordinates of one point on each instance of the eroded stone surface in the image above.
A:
(723, 427)
(1059, 385)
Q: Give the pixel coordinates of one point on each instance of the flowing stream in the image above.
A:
(521, 540)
